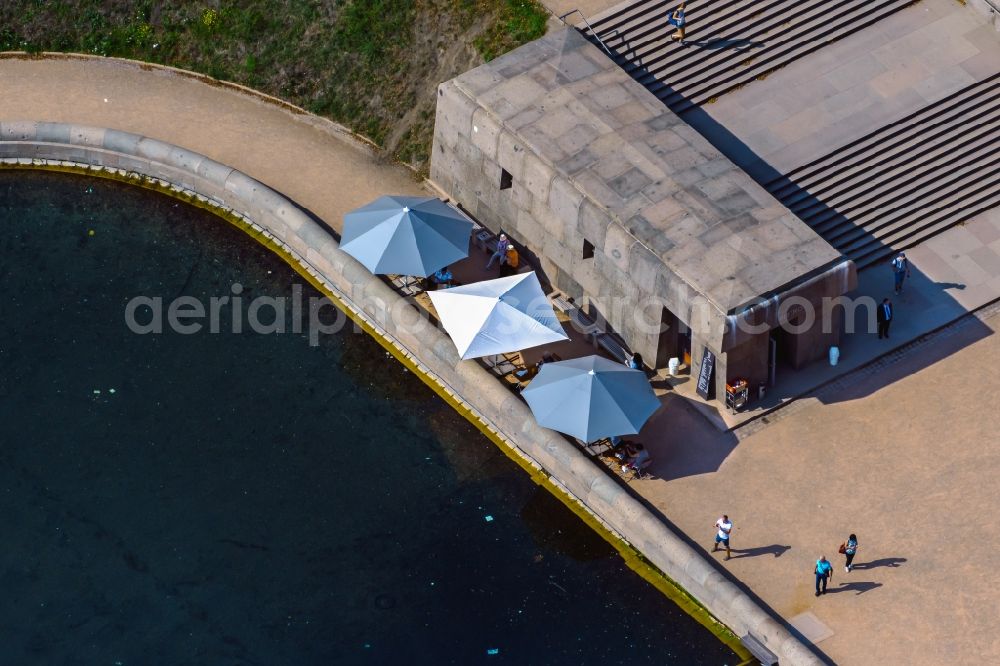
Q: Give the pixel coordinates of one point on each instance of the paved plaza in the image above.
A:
(906, 456)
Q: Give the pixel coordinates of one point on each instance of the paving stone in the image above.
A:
(719, 187)
(857, 71)
(629, 183)
(577, 162)
(633, 112)
(944, 83)
(577, 138)
(981, 65)
(805, 93)
(557, 122)
(801, 124)
(894, 81)
(574, 66)
(955, 241)
(968, 271)
(613, 165)
(810, 626)
(987, 259)
(951, 52)
(984, 231)
(660, 189)
(848, 99)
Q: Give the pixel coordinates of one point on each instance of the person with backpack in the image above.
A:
(849, 549)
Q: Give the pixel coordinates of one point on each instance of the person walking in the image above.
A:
(884, 317)
(849, 548)
(824, 573)
(501, 253)
(722, 536)
(900, 271)
(677, 19)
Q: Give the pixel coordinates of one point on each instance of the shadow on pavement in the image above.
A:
(774, 549)
(682, 443)
(735, 44)
(875, 564)
(859, 587)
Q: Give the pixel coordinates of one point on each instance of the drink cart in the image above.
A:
(737, 394)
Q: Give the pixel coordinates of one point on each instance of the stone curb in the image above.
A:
(130, 156)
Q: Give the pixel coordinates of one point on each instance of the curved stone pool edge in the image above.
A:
(645, 542)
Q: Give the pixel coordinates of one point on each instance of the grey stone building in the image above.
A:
(629, 210)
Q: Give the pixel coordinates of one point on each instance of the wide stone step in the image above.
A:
(902, 183)
(668, 56)
(978, 102)
(729, 43)
(794, 47)
(960, 185)
(884, 182)
(956, 206)
(845, 172)
(645, 23)
(881, 250)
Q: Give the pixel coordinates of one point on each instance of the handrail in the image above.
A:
(589, 27)
(993, 6)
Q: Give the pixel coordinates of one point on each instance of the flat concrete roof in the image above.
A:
(666, 185)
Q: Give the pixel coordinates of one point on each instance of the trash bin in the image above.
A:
(834, 355)
(672, 366)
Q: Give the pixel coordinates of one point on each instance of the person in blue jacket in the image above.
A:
(824, 572)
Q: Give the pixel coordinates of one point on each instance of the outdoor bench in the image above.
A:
(757, 649)
(610, 344)
(581, 322)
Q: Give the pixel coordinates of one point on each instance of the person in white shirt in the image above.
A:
(900, 271)
(725, 527)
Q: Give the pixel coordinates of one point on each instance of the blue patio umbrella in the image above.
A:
(406, 235)
(591, 398)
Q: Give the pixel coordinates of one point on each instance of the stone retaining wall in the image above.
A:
(386, 314)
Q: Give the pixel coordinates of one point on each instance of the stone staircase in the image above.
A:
(729, 43)
(905, 182)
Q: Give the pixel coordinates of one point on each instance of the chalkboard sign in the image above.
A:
(705, 374)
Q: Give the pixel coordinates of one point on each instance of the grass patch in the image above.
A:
(372, 65)
(518, 22)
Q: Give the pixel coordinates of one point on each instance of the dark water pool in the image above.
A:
(251, 499)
